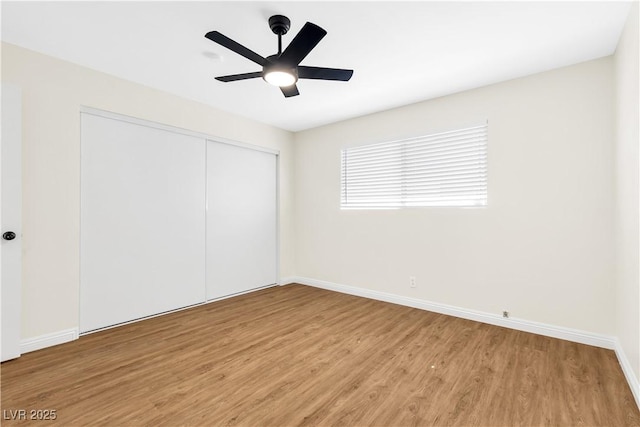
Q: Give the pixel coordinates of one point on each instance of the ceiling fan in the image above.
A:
(283, 69)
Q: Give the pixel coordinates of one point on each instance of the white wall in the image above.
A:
(627, 213)
(53, 91)
(542, 249)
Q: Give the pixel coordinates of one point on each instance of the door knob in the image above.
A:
(8, 235)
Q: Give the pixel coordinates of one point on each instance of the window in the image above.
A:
(441, 169)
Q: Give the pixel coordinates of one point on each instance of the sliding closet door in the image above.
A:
(142, 221)
(241, 219)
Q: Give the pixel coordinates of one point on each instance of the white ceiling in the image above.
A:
(402, 52)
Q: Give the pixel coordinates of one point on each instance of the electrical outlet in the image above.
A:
(412, 281)
(505, 314)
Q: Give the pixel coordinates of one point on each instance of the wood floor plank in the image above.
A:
(297, 355)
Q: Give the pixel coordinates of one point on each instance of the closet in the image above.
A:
(169, 219)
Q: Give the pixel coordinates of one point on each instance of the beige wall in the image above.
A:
(627, 158)
(542, 249)
(53, 91)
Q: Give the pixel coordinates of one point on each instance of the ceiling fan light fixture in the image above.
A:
(280, 78)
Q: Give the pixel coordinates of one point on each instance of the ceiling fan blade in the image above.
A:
(321, 73)
(236, 77)
(289, 91)
(225, 41)
(308, 37)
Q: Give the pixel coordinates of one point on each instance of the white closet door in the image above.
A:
(142, 221)
(241, 219)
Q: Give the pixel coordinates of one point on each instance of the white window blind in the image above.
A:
(441, 169)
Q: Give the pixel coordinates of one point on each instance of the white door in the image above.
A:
(142, 221)
(241, 219)
(11, 241)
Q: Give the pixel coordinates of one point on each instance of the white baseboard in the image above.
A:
(568, 334)
(287, 280)
(632, 379)
(48, 340)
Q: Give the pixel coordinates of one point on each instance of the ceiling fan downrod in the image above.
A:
(279, 24)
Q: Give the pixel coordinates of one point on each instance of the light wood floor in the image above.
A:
(296, 355)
